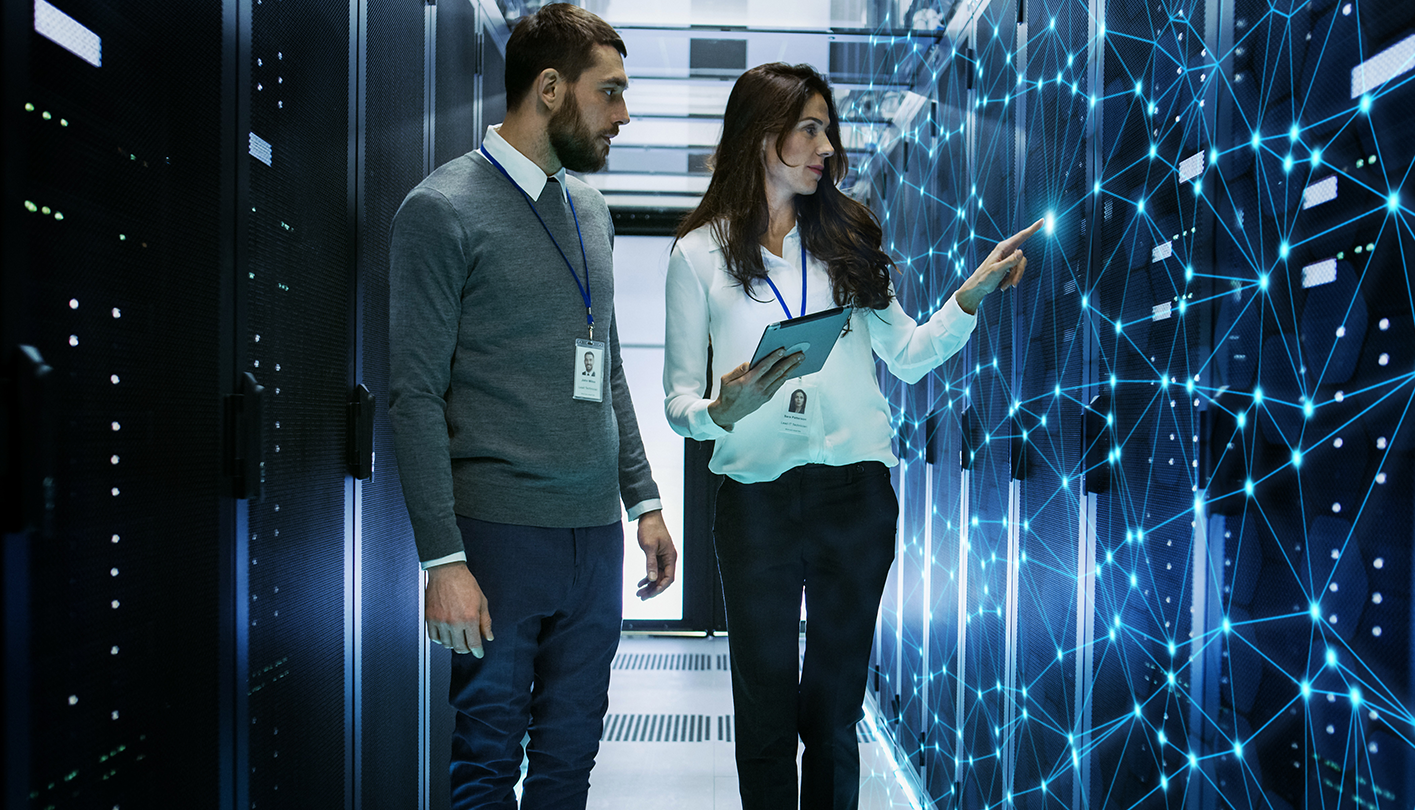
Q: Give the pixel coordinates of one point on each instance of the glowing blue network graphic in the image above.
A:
(1158, 518)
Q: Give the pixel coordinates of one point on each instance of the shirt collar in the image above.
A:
(526, 174)
(791, 236)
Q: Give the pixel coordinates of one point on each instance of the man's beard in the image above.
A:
(577, 147)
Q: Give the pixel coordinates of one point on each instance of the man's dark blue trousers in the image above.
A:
(556, 602)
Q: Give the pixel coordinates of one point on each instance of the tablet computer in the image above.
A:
(814, 334)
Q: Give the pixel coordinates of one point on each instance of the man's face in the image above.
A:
(589, 362)
(593, 111)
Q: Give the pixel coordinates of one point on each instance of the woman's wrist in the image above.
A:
(968, 300)
(714, 410)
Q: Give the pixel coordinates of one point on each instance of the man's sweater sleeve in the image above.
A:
(636, 484)
(429, 265)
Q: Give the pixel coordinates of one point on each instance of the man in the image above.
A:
(513, 466)
(589, 364)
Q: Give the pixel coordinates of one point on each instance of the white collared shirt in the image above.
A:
(524, 171)
(848, 419)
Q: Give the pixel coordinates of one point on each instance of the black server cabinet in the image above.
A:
(116, 251)
(200, 599)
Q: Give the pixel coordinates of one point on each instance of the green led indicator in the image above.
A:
(31, 207)
(1370, 246)
(63, 122)
(58, 215)
(1341, 255)
(122, 237)
(1358, 248)
(45, 115)
(1371, 159)
(29, 107)
(1360, 163)
(44, 209)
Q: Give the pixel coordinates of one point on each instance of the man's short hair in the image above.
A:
(560, 36)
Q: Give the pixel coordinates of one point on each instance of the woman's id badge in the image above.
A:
(589, 371)
(795, 419)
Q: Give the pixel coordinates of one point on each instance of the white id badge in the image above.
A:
(589, 370)
(795, 418)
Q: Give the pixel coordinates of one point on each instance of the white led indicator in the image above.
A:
(1191, 167)
(1384, 66)
(1323, 272)
(67, 33)
(1319, 192)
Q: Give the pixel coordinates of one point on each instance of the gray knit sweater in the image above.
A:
(483, 318)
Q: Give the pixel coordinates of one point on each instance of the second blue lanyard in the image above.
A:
(782, 301)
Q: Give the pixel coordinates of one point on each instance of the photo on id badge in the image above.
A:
(588, 370)
(795, 418)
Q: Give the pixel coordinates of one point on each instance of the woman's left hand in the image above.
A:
(1002, 268)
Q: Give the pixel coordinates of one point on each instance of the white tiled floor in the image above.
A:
(695, 775)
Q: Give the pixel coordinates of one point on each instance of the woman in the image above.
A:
(807, 503)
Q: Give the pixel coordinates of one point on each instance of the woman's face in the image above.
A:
(801, 164)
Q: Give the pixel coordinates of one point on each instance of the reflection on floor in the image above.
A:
(667, 739)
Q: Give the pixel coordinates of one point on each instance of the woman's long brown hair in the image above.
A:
(836, 229)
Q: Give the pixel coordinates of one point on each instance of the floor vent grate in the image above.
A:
(687, 662)
(657, 728)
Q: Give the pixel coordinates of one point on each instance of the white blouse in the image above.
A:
(846, 419)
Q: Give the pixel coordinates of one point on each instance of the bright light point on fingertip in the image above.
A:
(1051, 222)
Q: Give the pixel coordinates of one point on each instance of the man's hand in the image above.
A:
(455, 609)
(744, 389)
(660, 557)
(1002, 268)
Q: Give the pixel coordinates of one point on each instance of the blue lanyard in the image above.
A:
(779, 299)
(583, 288)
